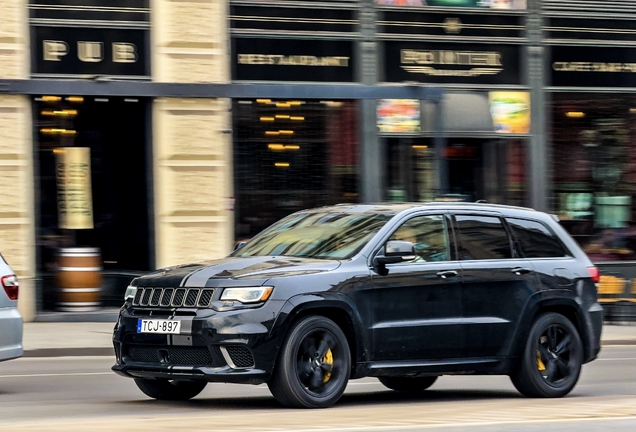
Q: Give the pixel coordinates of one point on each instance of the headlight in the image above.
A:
(130, 293)
(247, 294)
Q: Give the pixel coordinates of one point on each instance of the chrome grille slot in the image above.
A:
(137, 298)
(166, 299)
(179, 296)
(146, 297)
(156, 295)
(191, 298)
(205, 298)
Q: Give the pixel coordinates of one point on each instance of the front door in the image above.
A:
(416, 307)
(496, 284)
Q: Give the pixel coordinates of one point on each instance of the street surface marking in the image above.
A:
(56, 374)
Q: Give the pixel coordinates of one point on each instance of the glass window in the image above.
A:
(535, 240)
(482, 238)
(320, 235)
(593, 175)
(429, 235)
(291, 155)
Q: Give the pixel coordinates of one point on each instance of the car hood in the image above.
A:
(234, 268)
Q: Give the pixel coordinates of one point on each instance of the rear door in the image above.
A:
(551, 260)
(496, 284)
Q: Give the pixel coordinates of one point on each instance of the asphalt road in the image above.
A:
(80, 393)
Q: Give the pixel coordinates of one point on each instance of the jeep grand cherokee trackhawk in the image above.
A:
(405, 293)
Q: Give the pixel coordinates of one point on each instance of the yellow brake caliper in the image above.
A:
(327, 359)
(540, 364)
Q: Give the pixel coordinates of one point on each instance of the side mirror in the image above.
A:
(239, 245)
(396, 251)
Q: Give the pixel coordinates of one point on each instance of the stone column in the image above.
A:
(17, 235)
(192, 145)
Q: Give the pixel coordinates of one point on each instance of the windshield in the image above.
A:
(326, 235)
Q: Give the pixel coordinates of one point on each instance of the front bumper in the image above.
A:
(232, 346)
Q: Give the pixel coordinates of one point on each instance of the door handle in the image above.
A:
(520, 271)
(447, 274)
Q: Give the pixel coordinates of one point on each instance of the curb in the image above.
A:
(109, 315)
(69, 352)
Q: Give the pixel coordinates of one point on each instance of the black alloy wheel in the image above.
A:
(163, 389)
(408, 384)
(313, 366)
(552, 358)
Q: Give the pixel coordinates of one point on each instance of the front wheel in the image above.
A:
(408, 384)
(313, 366)
(163, 389)
(550, 365)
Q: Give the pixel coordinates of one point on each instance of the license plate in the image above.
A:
(158, 326)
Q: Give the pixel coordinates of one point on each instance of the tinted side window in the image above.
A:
(535, 240)
(482, 238)
(428, 234)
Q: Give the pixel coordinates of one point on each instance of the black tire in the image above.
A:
(408, 384)
(550, 365)
(313, 366)
(163, 389)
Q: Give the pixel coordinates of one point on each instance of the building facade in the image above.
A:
(207, 120)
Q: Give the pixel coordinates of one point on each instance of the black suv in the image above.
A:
(405, 293)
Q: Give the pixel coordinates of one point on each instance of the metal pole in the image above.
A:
(372, 166)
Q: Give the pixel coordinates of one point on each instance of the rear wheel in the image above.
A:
(313, 366)
(407, 384)
(551, 362)
(163, 389)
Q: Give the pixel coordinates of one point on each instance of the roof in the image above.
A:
(394, 208)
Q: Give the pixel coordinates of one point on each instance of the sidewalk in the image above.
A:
(61, 339)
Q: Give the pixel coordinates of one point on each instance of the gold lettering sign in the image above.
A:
(594, 67)
(74, 194)
(480, 62)
(296, 60)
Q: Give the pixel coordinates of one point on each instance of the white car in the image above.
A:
(10, 318)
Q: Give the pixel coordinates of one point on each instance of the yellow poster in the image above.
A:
(398, 116)
(510, 111)
(74, 194)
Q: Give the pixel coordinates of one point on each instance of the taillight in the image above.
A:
(594, 274)
(11, 286)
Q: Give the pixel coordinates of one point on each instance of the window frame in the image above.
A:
(566, 250)
(514, 254)
(450, 233)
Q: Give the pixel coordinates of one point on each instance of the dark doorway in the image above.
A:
(114, 129)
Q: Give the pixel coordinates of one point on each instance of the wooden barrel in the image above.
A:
(79, 279)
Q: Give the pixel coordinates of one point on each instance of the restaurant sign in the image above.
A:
(575, 66)
(451, 63)
(292, 60)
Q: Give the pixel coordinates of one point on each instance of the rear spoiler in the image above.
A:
(555, 217)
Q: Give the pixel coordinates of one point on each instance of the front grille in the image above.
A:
(174, 355)
(240, 355)
(173, 297)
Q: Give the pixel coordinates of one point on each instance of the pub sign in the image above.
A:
(90, 51)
